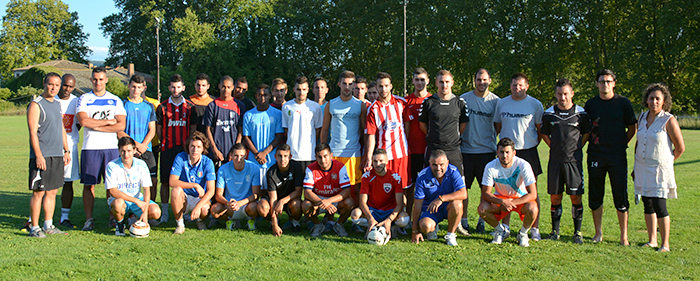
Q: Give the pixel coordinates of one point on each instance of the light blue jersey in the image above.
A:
(200, 173)
(138, 115)
(345, 127)
(261, 127)
(238, 185)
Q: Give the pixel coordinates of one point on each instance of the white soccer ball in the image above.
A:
(139, 229)
(378, 236)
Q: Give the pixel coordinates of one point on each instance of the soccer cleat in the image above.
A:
(67, 224)
(89, 226)
(232, 224)
(213, 223)
(296, 228)
(164, 217)
(27, 227)
(433, 234)
(463, 231)
(53, 231)
(357, 228)
(553, 236)
(201, 225)
(317, 230)
(480, 227)
(340, 230)
(119, 230)
(37, 233)
(498, 236)
(401, 231)
(112, 223)
(523, 240)
(153, 222)
(578, 238)
(451, 239)
(251, 225)
(535, 234)
(180, 229)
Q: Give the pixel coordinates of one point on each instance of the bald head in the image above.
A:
(67, 86)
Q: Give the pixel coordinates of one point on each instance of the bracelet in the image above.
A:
(440, 197)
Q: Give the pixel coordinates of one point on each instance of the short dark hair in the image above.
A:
(320, 78)
(563, 82)
(225, 78)
(383, 75)
(668, 100)
(99, 69)
(238, 146)
(284, 147)
(321, 147)
(372, 84)
(67, 76)
(202, 76)
(506, 142)
(380, 151)
(301, 80)
(482, 70)
(176, 78)
(264, 87)
(51, 74)
(197, 136)
(519, 76)
(419, 71)
(346, 74)
(360, 80)
(444, 72)
(242, 80)
(137, 79)
(604, 72)
(437, 153)
(124, 141)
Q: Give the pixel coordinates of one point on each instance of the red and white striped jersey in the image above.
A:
(385, 121)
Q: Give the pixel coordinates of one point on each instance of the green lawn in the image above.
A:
(242, 254)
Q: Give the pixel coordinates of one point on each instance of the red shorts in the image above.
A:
(401, 166)
(518, 209)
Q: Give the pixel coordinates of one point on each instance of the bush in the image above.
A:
(34, 77)
(29, 91)
(115, 86)
(10, 108)
(6, 93)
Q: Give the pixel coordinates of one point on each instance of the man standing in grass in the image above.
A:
(201, 99)
(320, 89)
(239, 91)
(125, 177)
(71, 172)
(284, 187)
(279, 91)
(302, 120)
(48, 153)
(222, 122)
(416, 137)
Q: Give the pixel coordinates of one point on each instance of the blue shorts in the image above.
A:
(131, 207)
(380, 215)
(93, 163)
(437, 217)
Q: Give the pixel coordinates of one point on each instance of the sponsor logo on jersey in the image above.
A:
(177, 123)
(387, 187)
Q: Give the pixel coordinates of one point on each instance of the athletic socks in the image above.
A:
(556, 217)
(295, 222)
(577, 213)
(64, 213)
(34, 228)
(180, 222)
(465, 223)
(48, 224)
(500, 227)
(523, 231)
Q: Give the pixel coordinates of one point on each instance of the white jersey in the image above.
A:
(70, 120)
(518, 120)
(129, 181)
(301, 121)
(509, 182)
(104, 107)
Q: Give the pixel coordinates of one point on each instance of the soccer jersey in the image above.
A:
(200, 173)
(154, 102)
(428, 188)
(261, 127)
(518, 120)
(238, 185)
(301, 121)
(381, 190)
(200, 106)
(443, 118)
(138, 115)
(175, 120)
(345, 127)
(564, 128)
(130, 181)
(224, 119)
(480, 135)
(49, 129)
(248, 104)
(285, 183)
(509, 182)
(609, 121)
(416, 137)
(104, 107)
(70, 121)
(385, 121)
(326, 183)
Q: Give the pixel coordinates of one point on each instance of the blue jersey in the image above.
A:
(261, 127)
(224, 118)
(238, 185)
(345, 127)
(138, 115)
(428, 188)
(200, 173)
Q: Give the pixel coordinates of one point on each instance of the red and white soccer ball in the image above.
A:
(139, 229)
(378, 236)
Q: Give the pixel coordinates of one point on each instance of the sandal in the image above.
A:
(649, 245)
(663, 249)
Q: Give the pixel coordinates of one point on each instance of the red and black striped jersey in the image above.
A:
(176, 120)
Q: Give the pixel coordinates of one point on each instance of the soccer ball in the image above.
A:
(378, 236)
(139, 229)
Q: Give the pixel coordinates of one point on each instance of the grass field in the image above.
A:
(242, 254)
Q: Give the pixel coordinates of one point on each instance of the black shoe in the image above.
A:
(119, 229)
(296, 228)
(578, 239)
(112, 222)
(67, 224)
(480, 228)
(553, 236)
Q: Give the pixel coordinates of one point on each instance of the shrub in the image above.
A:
(115, 86)
(34, 77)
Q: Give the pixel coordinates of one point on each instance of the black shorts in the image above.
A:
(417, 164)
(167, 157)
(453, 155)
(569, 174)
(49, 179)
(616, 167)
(150, 160)
(533, 157)
(474, 165)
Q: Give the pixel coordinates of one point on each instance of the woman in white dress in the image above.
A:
(659, 143)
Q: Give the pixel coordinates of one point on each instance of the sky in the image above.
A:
(90, 14)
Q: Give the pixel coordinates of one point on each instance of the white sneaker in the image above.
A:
(433, 234)
(463, 231)
(451, 240)
(523, 240)
(180, 229)
(317, 230)
(535, 234)
(498, 236)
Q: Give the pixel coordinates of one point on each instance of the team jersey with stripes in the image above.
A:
(176, 120)
(385, 121)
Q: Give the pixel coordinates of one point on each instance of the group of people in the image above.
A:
(368, 155)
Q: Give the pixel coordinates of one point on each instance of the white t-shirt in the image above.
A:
(480, 134)
(301, 121)
(509, 182)
(518, 119)
(106, 107)
(70, 120)
(129, 181)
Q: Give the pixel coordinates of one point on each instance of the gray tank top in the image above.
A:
(49, 132)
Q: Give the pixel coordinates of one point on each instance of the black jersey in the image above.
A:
(565, 128)
(609, 120)
(443, 119)
(285, 183)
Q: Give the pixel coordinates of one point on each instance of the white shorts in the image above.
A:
(71, 172)
(240, 214)
(191, 203)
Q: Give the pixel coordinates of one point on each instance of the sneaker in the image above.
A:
(498, 236)
(67, 224)
(180, 229)
(27, 227)
(53, 231)
(164, 217)
(340, 230)
(213, 223)
(296, 228)
(187, 217)
(112, 222)
(401, 231)
(461, 230)
(578, 239)
(119, 230)
(394, 231)
(89, 226)
(480, 227)
(38, 233)
(329, 226)
(232, 224)
(535, 234)
(357, 228)
(132, 220)
(553, 236)
(153, 222)
(451, 240)
(317, 230)
(251, 225)
(201, 225)
(523, 240)
(286, 226)
(433, 234)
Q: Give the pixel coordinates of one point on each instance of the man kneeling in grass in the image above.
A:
(124, 178)
(284, 181)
